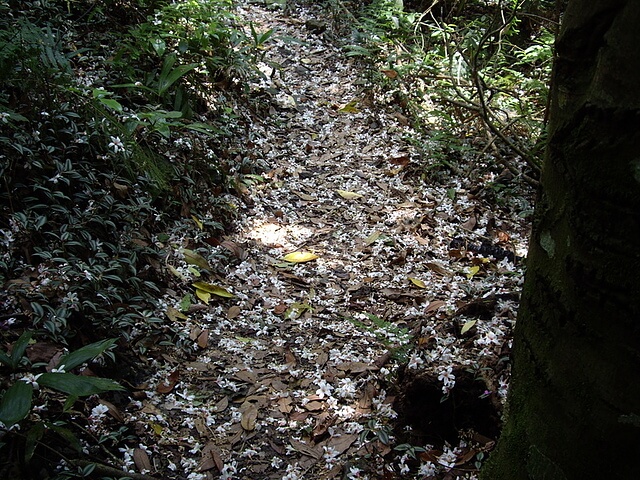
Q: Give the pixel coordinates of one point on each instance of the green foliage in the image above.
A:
(478, 70)
(16, 402)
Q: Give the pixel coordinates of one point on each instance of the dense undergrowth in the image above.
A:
(471, 74)
(116, 126)
(115, 120)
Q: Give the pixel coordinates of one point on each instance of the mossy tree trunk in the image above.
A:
(574, 405)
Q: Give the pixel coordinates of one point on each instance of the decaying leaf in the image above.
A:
(169, 383)
(203, 338)
(306, 449)
(299, 257)
(437, 268)
(417, 282)
(174, 314)
(372, 238)
(233, 312)
(211, 457)
(212, 289)
(350, 107)
(434, 306)
(349, 195)
(467, 326)
(194, 258)
(249, 416)
(222, 405)
(142, 461)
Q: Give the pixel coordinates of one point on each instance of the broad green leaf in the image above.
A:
(111, 103)
(34, 435)
(185, 303)
(194, 258)
(467, 326)
(299, 257)
(6, 360)
(77, 385)
(17, 352)
(159, 46)
(213, 289)
(349, 195)
(86, 353)
(16, 403)
(67, 435)
(417, 282)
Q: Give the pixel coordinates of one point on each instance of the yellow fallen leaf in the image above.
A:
(349, 195)
(467, 326)
(202, 295)
(176, 272)
(350, 107)
(417, 282)
(213, 289)
(372, 238)
(157, 428)
(299, 257)
(472, 271)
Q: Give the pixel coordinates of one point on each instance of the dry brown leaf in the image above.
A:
(306, 449)
(284, 405)
(470, 224)
(343, 442)
(211, 457)
(203, 338)
(290, 358)
(322, 358)
(142, 461)
(222, 405)
(366, 399)
(437, 268)
(249, 416)
(434, 306)
(355, 367)
(113, 410)
(314, 406)
(246, 376)
(169, 383)
(233, 312)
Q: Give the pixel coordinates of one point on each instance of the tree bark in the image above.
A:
(573, 410)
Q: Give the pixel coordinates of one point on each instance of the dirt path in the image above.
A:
(296, 375)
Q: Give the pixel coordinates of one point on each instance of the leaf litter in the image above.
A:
(349, 281)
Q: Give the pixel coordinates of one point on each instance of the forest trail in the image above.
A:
(296, 375)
